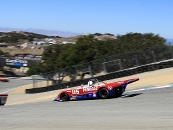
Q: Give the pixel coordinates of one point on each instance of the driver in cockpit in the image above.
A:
(91, 82)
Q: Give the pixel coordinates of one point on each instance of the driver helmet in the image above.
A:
(91, 82)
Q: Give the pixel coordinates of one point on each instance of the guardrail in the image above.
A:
(112, 75)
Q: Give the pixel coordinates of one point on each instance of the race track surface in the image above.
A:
(14, 83)
(144, 110)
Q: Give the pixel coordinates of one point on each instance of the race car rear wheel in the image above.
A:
(103, 93)
(64, 97)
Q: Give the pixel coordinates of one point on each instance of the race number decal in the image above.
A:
(75, 91)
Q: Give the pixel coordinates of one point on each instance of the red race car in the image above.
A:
(95, 90)
(4, 79)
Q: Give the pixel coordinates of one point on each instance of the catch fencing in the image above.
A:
(105, 66)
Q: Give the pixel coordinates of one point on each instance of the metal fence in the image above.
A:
(107, 65)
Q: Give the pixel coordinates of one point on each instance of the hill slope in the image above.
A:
(18, 38)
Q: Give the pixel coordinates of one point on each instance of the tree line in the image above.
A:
(87, 49)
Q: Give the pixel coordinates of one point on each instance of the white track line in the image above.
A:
(13, 89)
(144, 89)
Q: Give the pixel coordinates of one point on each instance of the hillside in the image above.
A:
(18, 37)
(16, 40)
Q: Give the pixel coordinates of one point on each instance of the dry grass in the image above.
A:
(1, 73)
(36, 51)
(14, 51)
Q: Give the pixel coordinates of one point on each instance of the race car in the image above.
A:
(3, 99)
(4, 79)
(95, 90)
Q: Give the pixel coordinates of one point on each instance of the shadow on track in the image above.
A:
(130, 95)
(123, 96)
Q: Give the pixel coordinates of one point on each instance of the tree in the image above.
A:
(34, 69)
(87, 49)
(135, 41)
(53, 54)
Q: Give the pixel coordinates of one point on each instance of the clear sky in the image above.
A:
(90, 16)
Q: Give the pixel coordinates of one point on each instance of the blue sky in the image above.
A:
(90, 16)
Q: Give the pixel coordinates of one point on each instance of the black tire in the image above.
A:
(64, 97)
(103, 93)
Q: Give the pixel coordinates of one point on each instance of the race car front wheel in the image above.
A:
(103, 93)
(64, 97)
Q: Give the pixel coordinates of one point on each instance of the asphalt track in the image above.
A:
(144, 110)
(14, 83)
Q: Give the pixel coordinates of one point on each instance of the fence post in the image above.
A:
(89, 68)
(136, 59)
(154, 57)
(47, 80)
(77, 72)
(104, 67)
(33, 79)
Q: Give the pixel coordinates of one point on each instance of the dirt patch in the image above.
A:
(1, 73)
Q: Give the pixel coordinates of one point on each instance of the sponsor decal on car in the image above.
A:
(90, 88)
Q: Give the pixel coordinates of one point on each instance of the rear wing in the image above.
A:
(131, 80)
